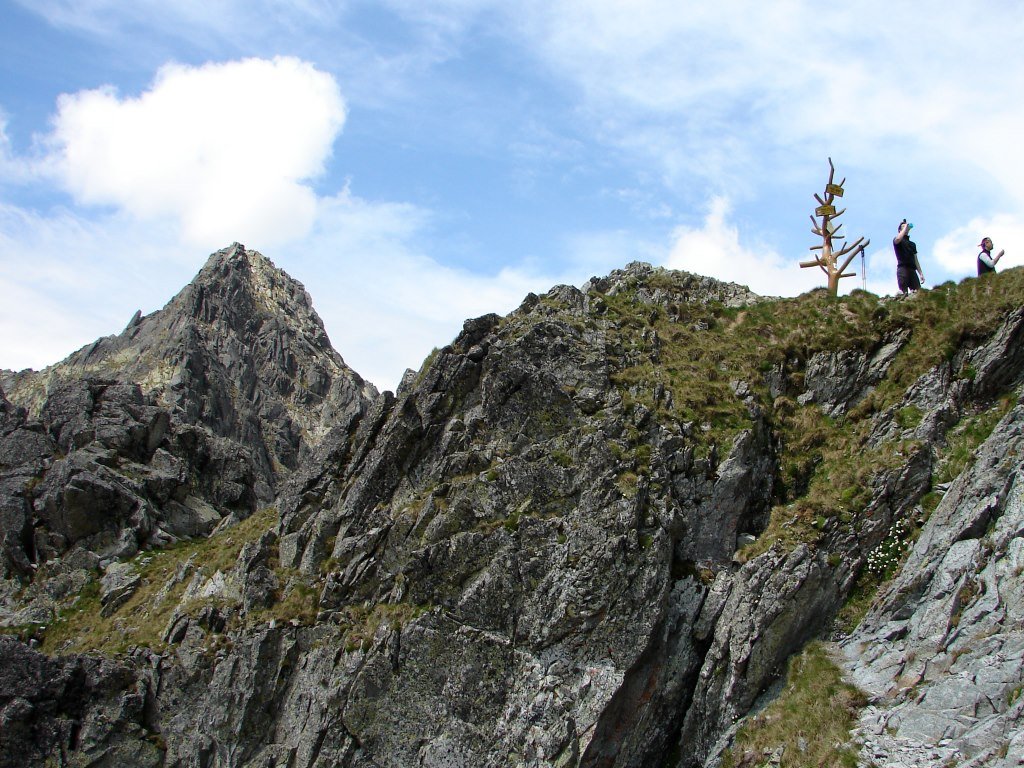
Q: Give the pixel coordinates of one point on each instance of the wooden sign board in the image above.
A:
(833, 189)
(825, 210)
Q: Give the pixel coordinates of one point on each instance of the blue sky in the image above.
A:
(416, 163)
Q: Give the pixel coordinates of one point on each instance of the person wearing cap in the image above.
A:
(986, 261)
(909, 274)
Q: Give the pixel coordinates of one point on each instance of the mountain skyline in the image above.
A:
(601, 530)
(417, 164)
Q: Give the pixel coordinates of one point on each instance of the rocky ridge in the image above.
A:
(589, 533)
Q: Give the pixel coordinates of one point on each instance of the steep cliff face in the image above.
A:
(590, 533)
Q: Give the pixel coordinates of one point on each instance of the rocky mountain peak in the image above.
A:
(191, 416)
(239, 350)
(240, 289)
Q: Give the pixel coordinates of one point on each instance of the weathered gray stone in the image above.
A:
(92, 708)
(119, 582)
(943, 646)
(189, 418)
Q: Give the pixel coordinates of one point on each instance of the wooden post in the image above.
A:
(832, 262)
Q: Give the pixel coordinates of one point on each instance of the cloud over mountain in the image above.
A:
(227, 150)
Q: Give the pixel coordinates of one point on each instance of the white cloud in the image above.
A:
(225, 149)
(384, 301)
(714, 249)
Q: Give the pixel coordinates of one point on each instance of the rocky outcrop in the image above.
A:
(837, 380)
(589, 533)
(80, 711)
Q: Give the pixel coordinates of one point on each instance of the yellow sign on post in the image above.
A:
(832, 262)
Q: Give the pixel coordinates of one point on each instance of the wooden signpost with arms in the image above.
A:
(831, 261)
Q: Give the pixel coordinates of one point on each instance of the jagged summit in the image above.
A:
(240, 291)
(240, 349)
(654, 283)
(193, 415)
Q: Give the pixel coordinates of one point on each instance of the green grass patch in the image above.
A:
(679, 359)
(963, 440)
(827, 474)
(360, 623)
(561, 457)
(909, 417)
(628, 483)
(678, 356)
(814, 713)
(165, 574)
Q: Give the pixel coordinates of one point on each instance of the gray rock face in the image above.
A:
(563, 620)
(528, 554)
(93, 709)
(942, 652)
(838, 380)
(542, 594)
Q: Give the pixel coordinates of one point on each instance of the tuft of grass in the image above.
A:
(511, 523)
(297, 600)
(830, 472)
(811, 719)
(561, 457)
(165, 574)
(628, 484)
(963, 440)
(909, 417)
(361, 623)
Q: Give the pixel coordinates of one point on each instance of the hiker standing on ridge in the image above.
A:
(986, 261)
(908, 268)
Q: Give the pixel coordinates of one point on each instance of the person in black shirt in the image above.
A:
(986, 261)
(909, 274)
